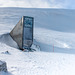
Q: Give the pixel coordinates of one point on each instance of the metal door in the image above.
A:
(27, 32)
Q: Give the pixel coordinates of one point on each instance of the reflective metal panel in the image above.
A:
(27, 31)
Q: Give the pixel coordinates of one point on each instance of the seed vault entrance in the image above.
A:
(22, 33)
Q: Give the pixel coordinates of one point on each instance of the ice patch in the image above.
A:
(65, 45)
(61, 44)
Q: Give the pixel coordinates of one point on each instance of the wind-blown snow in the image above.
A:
(51, 28)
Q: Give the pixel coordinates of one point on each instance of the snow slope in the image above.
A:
(52, 27)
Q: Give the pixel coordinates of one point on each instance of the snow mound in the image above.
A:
(6, 39)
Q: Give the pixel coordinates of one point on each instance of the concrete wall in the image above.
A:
(17, 32)
(23, 32)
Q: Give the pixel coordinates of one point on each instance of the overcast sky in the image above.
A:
(65, 4)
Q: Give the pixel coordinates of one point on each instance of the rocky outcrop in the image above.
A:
(3, 66)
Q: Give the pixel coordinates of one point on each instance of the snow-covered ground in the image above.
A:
(53, 28)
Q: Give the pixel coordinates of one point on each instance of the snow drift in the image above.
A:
(53, 27)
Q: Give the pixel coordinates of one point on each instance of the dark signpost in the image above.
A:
(22, 33)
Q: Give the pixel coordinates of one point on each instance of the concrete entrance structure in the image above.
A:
(22, 33)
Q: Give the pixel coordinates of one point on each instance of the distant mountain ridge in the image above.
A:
(54, 19)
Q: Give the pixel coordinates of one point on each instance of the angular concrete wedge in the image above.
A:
(22, 33)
